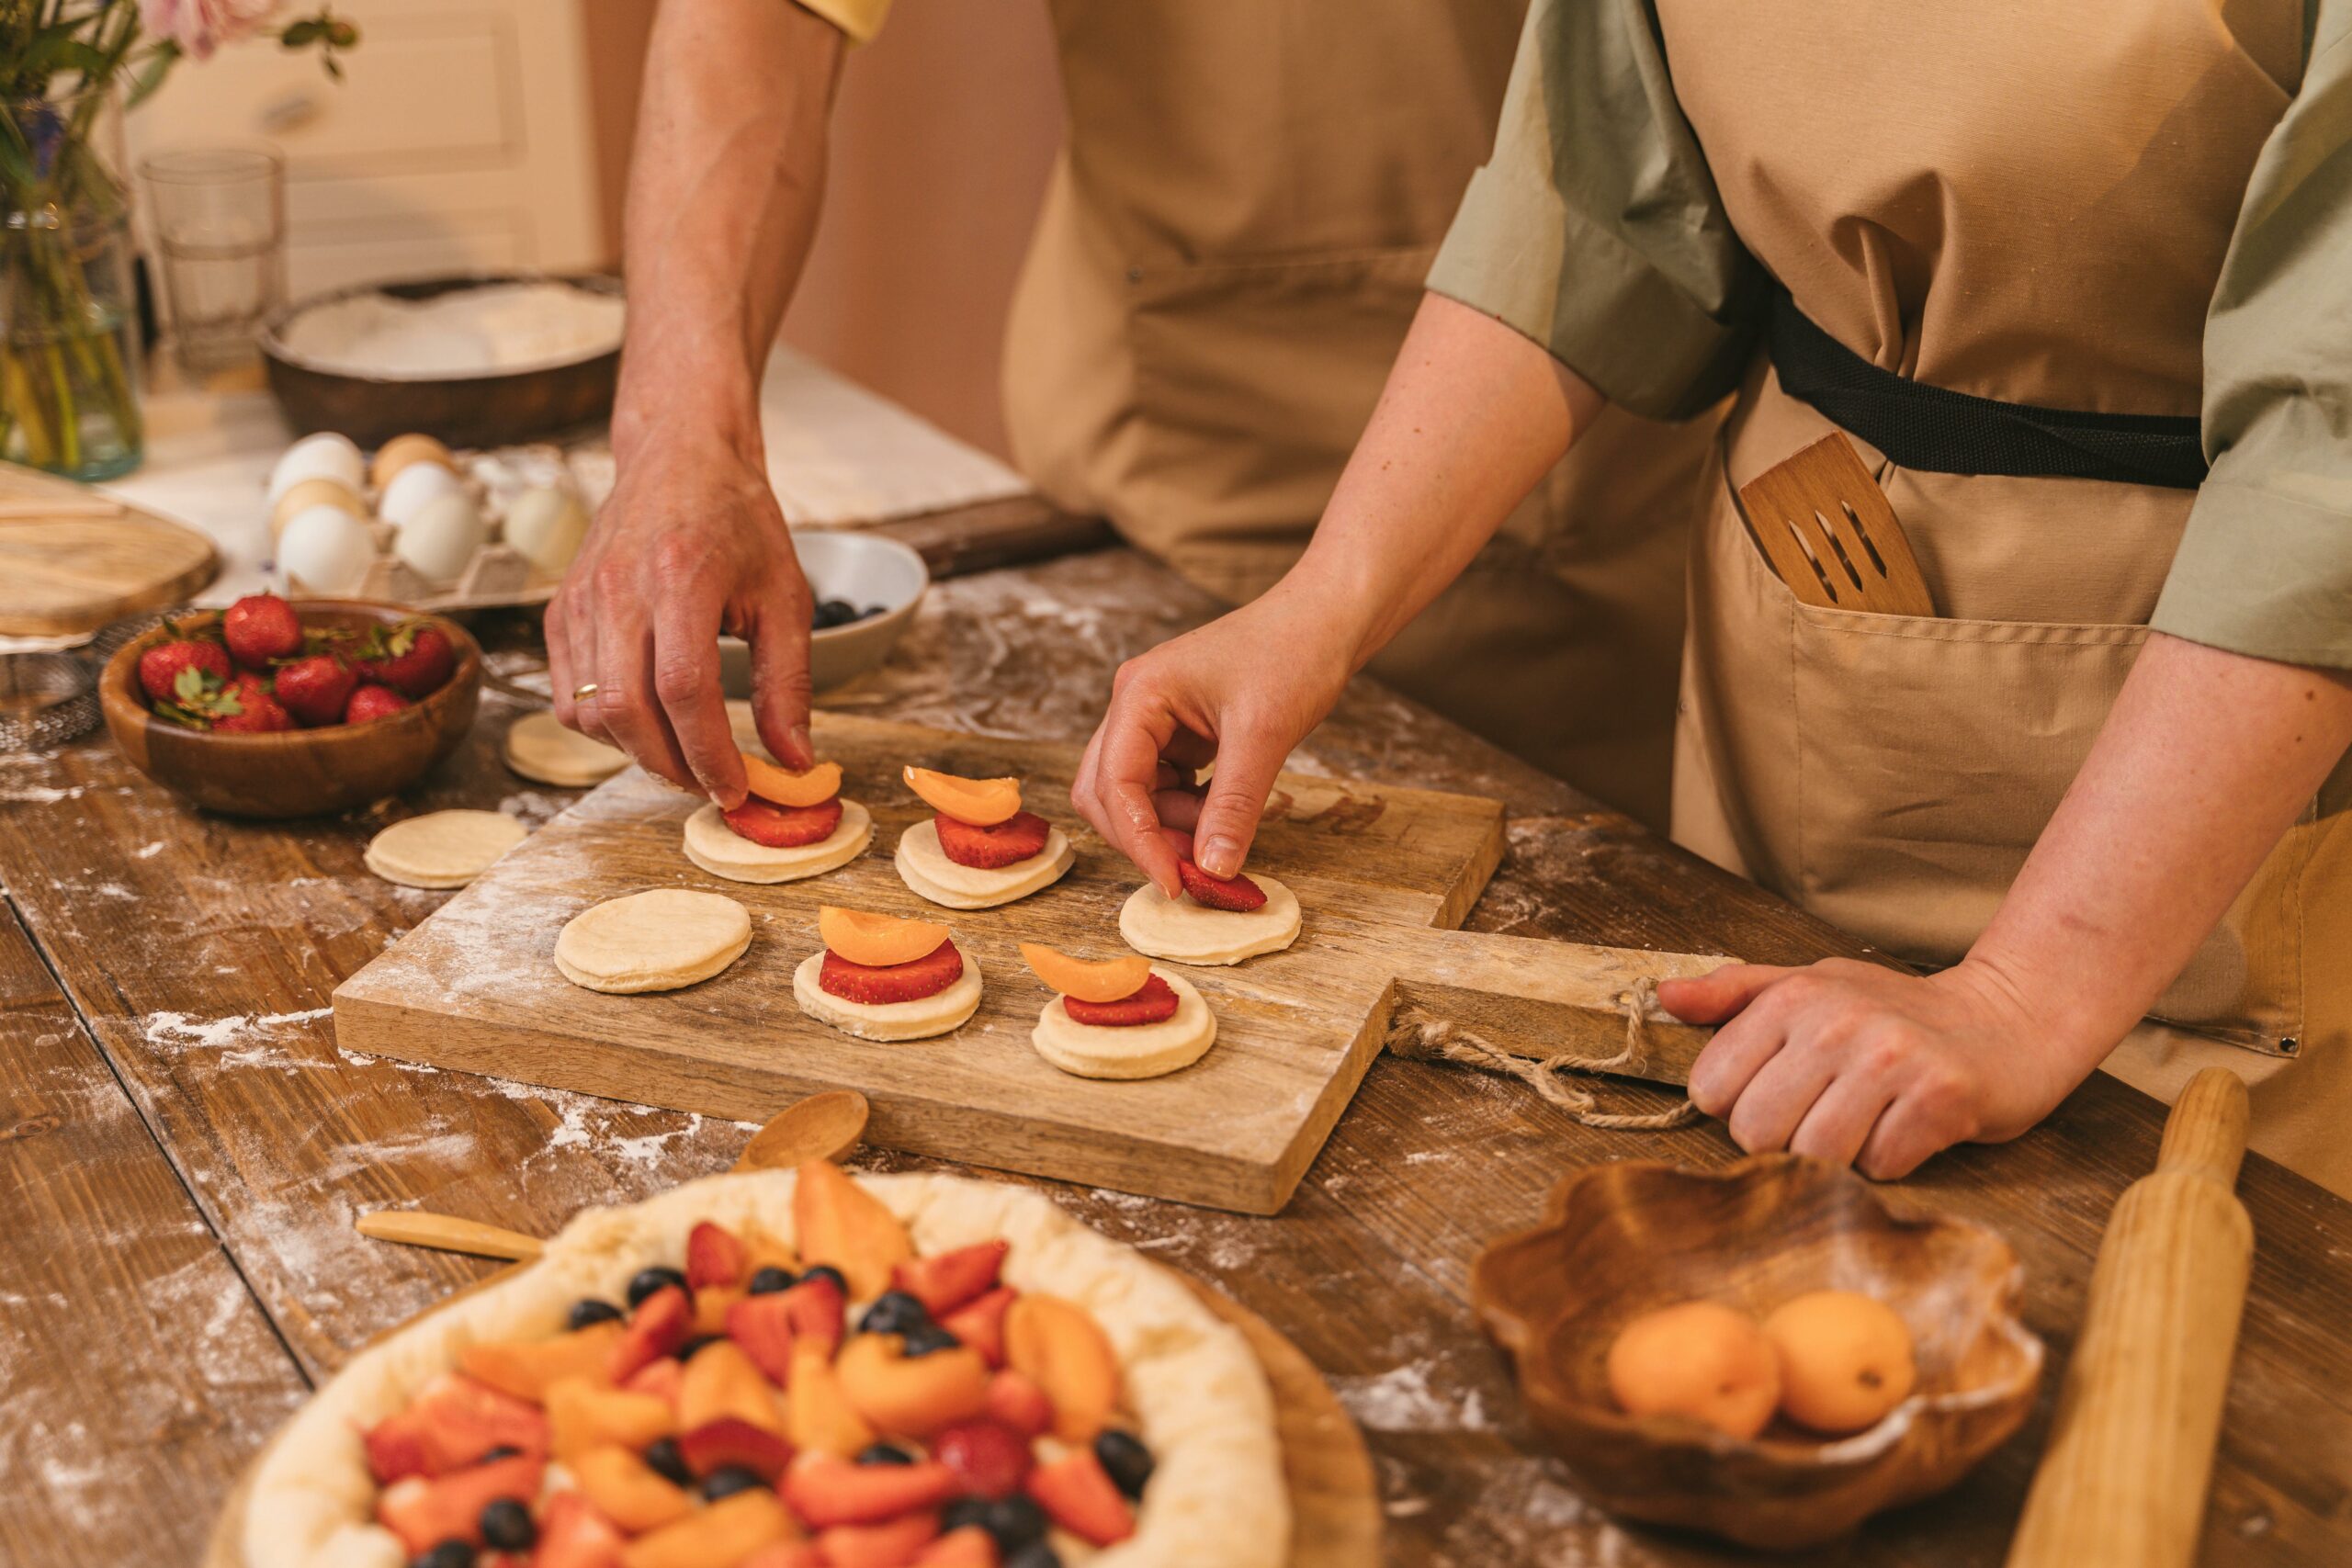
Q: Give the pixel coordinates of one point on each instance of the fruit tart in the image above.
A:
(794, 1370)
(882, 978)
(1215, 920)
(1119, 1017)
(792, 825)
(980, 849)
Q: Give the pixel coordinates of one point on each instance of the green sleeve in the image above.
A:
(2265, 567)
(1596, 230)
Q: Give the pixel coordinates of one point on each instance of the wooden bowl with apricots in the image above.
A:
(1770, 1352)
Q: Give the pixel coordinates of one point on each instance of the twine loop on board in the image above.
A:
(1434, 1040)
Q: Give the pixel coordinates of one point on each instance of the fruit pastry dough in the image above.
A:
(880, 977)
(794, 1370)
(1214, 919)
(791, 826)
(980, 849)
(1119, 1017)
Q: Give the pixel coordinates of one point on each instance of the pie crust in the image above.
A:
(1185, 933)
(442, 848)
(659, 941)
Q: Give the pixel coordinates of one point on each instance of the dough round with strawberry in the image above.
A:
(660, 940)
(442, 848)
(1118, 1018)
(792, 825)
(880, 977)
(1214, 920)
(980, 849)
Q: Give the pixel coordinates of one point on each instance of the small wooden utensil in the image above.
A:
(447, 1232)
(2122, 1482)
(1827, 529)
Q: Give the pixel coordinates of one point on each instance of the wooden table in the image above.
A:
(182, 1148)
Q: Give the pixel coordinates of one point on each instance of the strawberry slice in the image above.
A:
(1236, 893)
(979, 1323)
(763, 1326)
(926, 976)
(947, 1281)
(1079, 1495)
(969, 1546)
(1018, 837)
(657, 1328)
(991, 1458)
(784, 827)
(1017, 1401)
(426, 1513)
(451, 1424)
(730, 1440)
(1155, 1003)
(572, 1534)
(893, 1544)
(714, 1256)
(826, 1491)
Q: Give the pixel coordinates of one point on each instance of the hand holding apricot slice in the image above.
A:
(1698, 1360)
(1108, 980)
(877, 941)
(783, 788)
(1845, 1359)
(983, 803)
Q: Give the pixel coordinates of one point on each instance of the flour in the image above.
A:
(498, 329)
(178, 1031)
(1403, 1400)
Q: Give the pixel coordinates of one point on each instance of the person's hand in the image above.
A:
(1242, 689)
(690, 545)
(1856, 1064)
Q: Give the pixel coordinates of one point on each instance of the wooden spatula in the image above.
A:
(1826, 527)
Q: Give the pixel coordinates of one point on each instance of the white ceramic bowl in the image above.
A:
(863, 569)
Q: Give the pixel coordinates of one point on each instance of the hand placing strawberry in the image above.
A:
(159, 666)
(261, 627)
(315, 689)
(372, 702)
(414, 659)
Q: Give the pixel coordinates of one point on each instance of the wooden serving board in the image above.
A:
(1334, 1494)
(1382, 874)
(72, 559)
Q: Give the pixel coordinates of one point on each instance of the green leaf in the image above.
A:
(189, 685)
(150, 74)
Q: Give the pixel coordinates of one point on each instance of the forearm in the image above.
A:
(2205, 762)
(1472, 417)
(724, 188)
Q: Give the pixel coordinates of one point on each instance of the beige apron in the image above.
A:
(1233, 244)
(2028, 201)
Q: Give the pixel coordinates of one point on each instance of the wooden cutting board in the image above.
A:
(1382, 875)
(72, 559)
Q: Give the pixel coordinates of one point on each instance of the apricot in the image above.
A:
(875, 941)
(841, 1224)
(1698, 1360)
(1108, 980)
(818, 1415)
(1059, 1346)
(721, 1381)
(983, 803)
(729, 1530)
(527, 1369)
(1845, 1359)
(582, 1416)
(628, 1491)
(911, 1397)
(812, 786)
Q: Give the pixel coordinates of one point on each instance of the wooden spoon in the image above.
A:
(447, 1232)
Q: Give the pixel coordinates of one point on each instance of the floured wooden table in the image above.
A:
(182, 1147)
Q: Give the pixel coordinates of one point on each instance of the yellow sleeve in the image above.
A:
(861, 19)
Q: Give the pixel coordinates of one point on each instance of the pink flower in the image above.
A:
(201, 26)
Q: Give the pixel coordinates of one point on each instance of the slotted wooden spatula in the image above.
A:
(1827, 528)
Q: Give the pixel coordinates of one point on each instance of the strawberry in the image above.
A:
(370, 701)
(730, 1440)
(966, 1547)
(763, 1326)
(947, 1281)
(784, 827)
(1020, 1404)
(714, 1256)
(449, 1425)
(926, 976)
(159, 666)
(826, 1491)
(894, 1544)
(260, 628)
(817, 1308)
(414, 659)
(656, 1329)
(1236, 893)
(991, 1458)
(426, 1513)
(1154, 1003)
(1018, 837)
(316, 688)
(979, 1323)
(572, 1534)
(1079, 1495)
(245, 707)
(659, 1377)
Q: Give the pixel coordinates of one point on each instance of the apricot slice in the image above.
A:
(581, 1416)
(911, 1397)
(527, 1369)
(1845, 1359)
(727, 1532)
(814, 787)
(628, 1491)
(843, 1225)
(818, 1415)
(876, 942)
(1059, 1346)
(1108, 980)
(1702, 1361)
(983, 803)
(721, 1380)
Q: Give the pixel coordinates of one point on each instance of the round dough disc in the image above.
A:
(442, 848)
(542, 750)
(652, 942)
(917, 1019)
(1133, 1051)
(722, 851)
(1186, 932)
(924, 867)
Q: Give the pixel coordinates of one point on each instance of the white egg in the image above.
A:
(413, 489)
(547, 522)
(325, 456)
(327, 550)
(441, 539)
(304, 494)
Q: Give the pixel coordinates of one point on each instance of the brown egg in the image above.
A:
(1845, 1359)
(402, 450)
(314, 492)
(1700, 1360)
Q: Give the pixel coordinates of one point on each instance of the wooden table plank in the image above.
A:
(198, 947)
(137, 1372)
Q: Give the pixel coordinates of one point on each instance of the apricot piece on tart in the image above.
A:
(1059, 1347)
(983, 803)
(1106, 980)
(911, 1397)
(721, 1381)
(876, 942)
(581, 1416)
(782, 785)
(727, 1531)
(628, 1491)
(819, 1415)
(841, 1224)
(527, 1369)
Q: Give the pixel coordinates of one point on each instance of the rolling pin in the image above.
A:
(2122, 1482)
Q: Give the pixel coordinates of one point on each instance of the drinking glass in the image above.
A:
(221, 234)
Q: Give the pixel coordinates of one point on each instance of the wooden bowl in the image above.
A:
(1621, 1239)
(294, 773)
(494, 409)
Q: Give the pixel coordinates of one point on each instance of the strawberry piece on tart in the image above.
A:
(791, 825)
(1117, 1017)
(1214, 919)
(1021, 837)
(908, 982)
(881, 978)
(783, 827)
(980, 849)
(1153, 1002)
(1238, 894)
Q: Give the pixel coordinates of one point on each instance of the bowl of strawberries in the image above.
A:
(260, 710)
